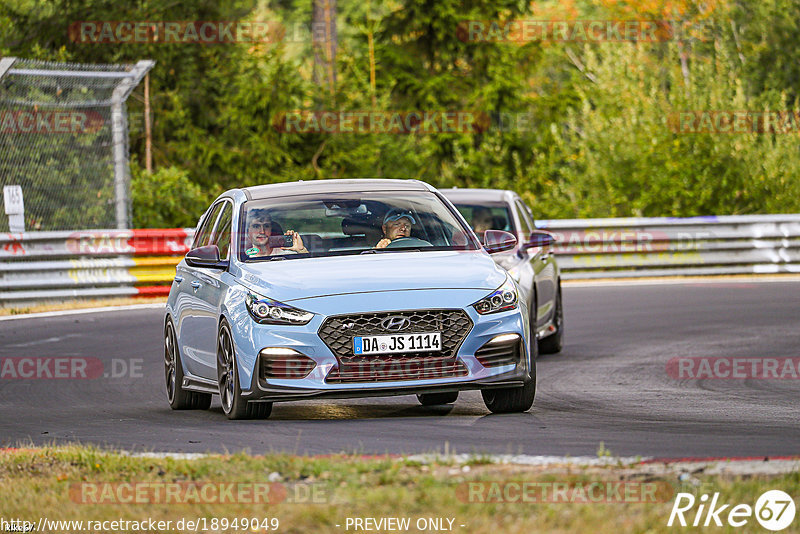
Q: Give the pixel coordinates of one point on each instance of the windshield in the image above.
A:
(486, 216)
(334, 224)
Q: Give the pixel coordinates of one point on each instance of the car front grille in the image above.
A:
(337, 333)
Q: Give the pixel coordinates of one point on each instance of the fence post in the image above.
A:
(119, 136)
(5, 64)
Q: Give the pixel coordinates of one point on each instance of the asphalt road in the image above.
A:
(609, 385)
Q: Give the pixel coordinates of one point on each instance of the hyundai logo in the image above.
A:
(395, 323)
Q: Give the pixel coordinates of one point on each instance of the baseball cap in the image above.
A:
(397, 214)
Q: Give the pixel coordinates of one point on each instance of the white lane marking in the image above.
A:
(43, 341)
(722, 465)
(527, 459)
(173, 455)
(62, 313)
(677, 281)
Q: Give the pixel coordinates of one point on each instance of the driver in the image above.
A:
(482, 220)
(396, 225)
(259, 229)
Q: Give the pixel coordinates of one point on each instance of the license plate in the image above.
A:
(419, 342)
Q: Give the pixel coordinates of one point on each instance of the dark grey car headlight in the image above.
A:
(267, 311)
(503, 299)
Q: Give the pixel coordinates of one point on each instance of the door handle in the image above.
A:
(196, 285)
(178, 279)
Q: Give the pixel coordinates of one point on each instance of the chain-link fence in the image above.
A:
(64, 140)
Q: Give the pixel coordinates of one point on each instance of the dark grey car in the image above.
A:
(531, 263)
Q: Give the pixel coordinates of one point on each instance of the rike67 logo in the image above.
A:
(774, 510)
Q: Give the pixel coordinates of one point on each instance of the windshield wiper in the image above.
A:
(268, 258)
(383, 250)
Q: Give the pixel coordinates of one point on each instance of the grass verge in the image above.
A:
(319, 494)
(81, 305)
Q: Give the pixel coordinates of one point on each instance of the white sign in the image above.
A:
(12, 195)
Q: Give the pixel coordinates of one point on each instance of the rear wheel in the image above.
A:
(518, 399)
(179, 398)
(555, 341)
(230, 392)
(434, 399)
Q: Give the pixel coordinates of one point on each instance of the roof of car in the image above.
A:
(302, 187)
(478, 195)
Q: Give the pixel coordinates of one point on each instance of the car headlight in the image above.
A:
(503, 299)
(267, 311)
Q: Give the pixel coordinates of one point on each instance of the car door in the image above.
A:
(211, 294)
(191, 313)
(541, 265)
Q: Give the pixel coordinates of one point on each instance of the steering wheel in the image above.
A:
(408, 242)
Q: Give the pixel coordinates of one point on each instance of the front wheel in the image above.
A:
(555, 341)
(230, 392)
(512, 400)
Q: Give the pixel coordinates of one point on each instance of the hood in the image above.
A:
(296, 279)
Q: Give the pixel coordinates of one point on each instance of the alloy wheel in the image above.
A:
(226, 369)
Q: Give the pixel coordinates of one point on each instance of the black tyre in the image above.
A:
(434, 399)
(555, 341)
(179, 398)
(512, 400)
(533, 343)
(230, 393)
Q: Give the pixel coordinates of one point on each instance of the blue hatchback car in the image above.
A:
(342, 289)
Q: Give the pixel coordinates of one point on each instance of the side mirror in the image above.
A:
(498, 241)
(539, 239)
(207, 256)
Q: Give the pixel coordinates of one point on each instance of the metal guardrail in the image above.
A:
(667, 246)
(41, 266)
(44, 266)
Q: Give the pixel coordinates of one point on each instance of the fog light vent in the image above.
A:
(501, 350)
(285, 363)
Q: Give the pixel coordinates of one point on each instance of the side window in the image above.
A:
(222, 234)
(524, 219)
(204, 233)
(529, 211)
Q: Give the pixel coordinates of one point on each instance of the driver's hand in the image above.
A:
(297, 242)
(383, 243)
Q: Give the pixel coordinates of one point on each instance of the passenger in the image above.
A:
(396, 225)
(259, 230)
(482, 220)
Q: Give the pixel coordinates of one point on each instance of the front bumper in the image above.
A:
(250, 338)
